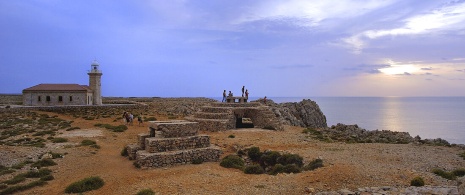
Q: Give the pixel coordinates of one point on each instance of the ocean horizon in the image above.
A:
(427, 117)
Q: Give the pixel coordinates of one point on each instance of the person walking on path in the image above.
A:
(243, 87)
(125, 115)
(224, 96)
(131, 118)
(139, 118)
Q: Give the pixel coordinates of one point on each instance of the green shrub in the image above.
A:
(21, 164)
(197, 161)
(150, 119)
(308, 130)
(18, 188)
(417, 181)
(254, 153)
(137, 165)
(37, 174)
(232, 161)
(43, 163)
(287, 159)
(119, 128)
(269, 127)
(231, 136)
(124, 152)
(254, 169)
(3, 186)
(269, 158)
(87, 184)
(146, 192)
(277, 168)
(47, 178)
(87, 142)
(459, 172)
(59, 140)
(292, 168)
(315, 164)
(444, 174)
(17, 179)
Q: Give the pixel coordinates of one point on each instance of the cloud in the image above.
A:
(448, 17)
(309, 13)
(430, 68)
(406, 73)
(461, 70)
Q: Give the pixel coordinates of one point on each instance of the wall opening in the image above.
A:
(244, 123)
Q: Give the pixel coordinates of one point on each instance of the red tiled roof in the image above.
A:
(58, 87)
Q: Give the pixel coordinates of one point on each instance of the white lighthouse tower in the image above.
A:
(95, 76)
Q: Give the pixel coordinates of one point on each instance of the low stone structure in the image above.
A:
(220, 116)
(172, 143)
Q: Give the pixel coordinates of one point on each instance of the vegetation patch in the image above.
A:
(43, 163)
(18, 188)
(59, 140)
(231, 136)
(87, 184)
(315, 164)
(232, 161)
(449, 175)
(197, 161)
(417, 181)
(462, 155)
(146, 192)
(119, 128)
(254, 169)
(72, 128)
(124, 152)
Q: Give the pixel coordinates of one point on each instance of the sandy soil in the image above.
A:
(346, 165)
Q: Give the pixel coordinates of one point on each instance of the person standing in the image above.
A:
(264, 100)
(243, 87)
(139, 118)
(246, 94)
(224, 96)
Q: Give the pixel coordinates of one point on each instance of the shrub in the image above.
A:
(277, 168)
(269, 127)
(287, 159)
(254, 153)
(417, 181)
(292, 168)
(87, 184)
(87, 142)
(197, 161)
(232, 161)
(36, 174)
(150, 119)
(269, 158)
(47, 178)
(17, 179)
(17, 188)
(444, 174)
(124, 152)
(231, 136)
(137, 165)
(119, 128)
(315, 164)
(43, 163)
(3, 186)
(459, 172)
(254, 169)
(146, 192)
(59, 140)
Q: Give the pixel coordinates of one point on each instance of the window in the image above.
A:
(38, 98)
(60, 98)
(70, 98)
(47, 98)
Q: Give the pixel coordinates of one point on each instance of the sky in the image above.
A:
(275, 48)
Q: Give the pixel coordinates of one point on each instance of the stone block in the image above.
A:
(177, 128)
(154, 144)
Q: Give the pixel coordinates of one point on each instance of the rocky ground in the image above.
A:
(348, 166)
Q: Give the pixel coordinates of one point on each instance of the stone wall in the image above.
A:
(32, 98)
(154, 144)
(163, 159)
(168, 129)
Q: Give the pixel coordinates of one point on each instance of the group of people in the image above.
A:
(230, 94)
(128, 118)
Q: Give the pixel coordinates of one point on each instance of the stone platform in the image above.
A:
(219, 116)
(171, 143)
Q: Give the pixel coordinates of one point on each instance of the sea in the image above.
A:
(427, 117)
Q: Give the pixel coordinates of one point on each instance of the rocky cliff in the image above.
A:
(305, 113)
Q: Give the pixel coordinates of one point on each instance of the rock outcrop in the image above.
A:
(306, 113)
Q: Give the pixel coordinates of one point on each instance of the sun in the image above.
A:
(399, 69)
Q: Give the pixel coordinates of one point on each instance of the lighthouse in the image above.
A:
(95, 76)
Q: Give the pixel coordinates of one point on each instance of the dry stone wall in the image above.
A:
(172, 143)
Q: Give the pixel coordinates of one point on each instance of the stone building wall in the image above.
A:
(163, 159)
(68, 98)
(154, 144)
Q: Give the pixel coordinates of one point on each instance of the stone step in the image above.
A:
(207, 115)
(153, 144)
(163, 159)
(210, 109)
(178, 128)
